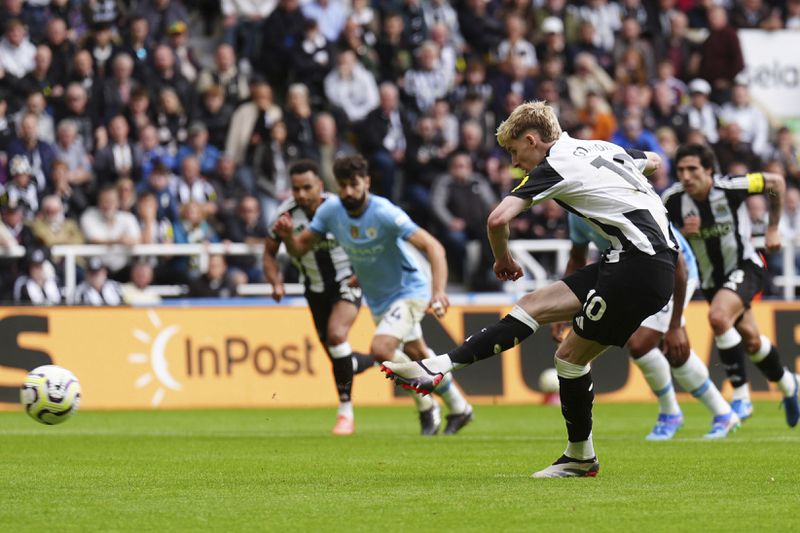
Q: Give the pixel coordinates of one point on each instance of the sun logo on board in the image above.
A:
(155, 356)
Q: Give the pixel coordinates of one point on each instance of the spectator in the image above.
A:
(474, 108)
(83, 74)
(441, 13)
(229, 186)
(102, 45)
(166, 75)
(606, 18)
(666, 111)
(361, 42)
(298, 120)
(589, 76)
(69, 149)
(52, 227)
(62, 50)
(750, 14)
(17, 54)
(15, 235)
(327, 147)
(247, 227)
(241, 24)
(597, 115)
(731, 148)
(633, 135)
(127, 194)
(427, 158)
(106, 224)
(281, 31)
(152, 151)
(193, 187)
(383, 136)
(214, 283)
(720, 54)
(42, 77)
(216, 115)
(785, 152)
(6, 130)
(186, 61)
(171, 120)
(461, 200)
(703, 114)
(198, 147)
(394, 55)
(119, 158)
(482, 33)
(330, 15)
(792, 15)
(161, 14)
(630, 38)
(138, 44)
(566, 14)
(474, 83)
(515, 80)
(155, 228)
(270, 163)
(117, 88)
(78, 109)
(35, 104)
(225, 75)
(160, 184)
(139, 112)
(74, 198)
(553, 43)
(515, 45)
(39, 153)
(427, 82)
(192, 228)
(40, 286)
(312, 62)
(138, 291)
(21, 190)
(351, 88)
(675, 47)
(587, 42)
(97, 289)
(752, 121)
(251, 121)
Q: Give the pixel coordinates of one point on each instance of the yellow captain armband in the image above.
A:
(518, 173)
(755, 182)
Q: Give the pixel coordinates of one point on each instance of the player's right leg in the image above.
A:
(553, 303)
(726, 307)
(343, 314)
(643, 347)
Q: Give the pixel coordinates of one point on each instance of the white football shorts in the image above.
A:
(402, 319)
(660, 321)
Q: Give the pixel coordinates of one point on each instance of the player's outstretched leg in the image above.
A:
(693, 377)
(424, 376)
(577, 394)
(768, 361)
(342, 359)
(655, 368)
(731, 353)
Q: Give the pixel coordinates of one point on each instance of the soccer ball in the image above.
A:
(548, 381)
(51, 394)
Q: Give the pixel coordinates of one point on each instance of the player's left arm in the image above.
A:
(676, 342)
(774, 186)
(434, 251)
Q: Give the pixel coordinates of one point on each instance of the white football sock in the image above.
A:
(787, 383)
(742, 392)
(449, 392)
(346, 409)
(655, 368)
(693, 377)
(580, 450)
(423, 403)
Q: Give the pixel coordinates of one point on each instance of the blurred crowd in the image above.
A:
(161, 121)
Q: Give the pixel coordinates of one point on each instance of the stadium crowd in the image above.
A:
(158, 121)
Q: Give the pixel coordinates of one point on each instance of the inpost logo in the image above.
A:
(194, 356)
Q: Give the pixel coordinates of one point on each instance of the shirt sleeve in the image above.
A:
(321, 221)
(397, 221)
(639, 158)
(540, 184)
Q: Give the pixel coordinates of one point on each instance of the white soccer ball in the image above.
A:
(51, 394)
(548, 381)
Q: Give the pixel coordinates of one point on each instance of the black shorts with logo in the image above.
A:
(321, 304)
(747, 281)
(617, 297)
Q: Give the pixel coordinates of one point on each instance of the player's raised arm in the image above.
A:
(434, 251)
(648, 162)
(505, 267)
(271, 271)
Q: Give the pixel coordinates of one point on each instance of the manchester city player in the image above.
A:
(375, 234)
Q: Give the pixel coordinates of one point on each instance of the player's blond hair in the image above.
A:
(536, 116)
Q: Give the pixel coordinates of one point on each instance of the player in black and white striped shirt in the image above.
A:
(333, 296)
(711, 213)
(607, 300)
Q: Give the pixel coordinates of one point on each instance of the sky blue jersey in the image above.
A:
(582, 233)
(376, 244)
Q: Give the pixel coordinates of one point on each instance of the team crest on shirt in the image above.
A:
(354, 232)
(371, 233)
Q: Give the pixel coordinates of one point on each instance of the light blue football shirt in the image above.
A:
(376, 244)
(582, 233)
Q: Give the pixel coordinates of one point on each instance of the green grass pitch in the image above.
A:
(280, 470)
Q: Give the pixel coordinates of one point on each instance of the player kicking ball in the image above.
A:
(375, 235)
(667, 325)
(606, 300)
